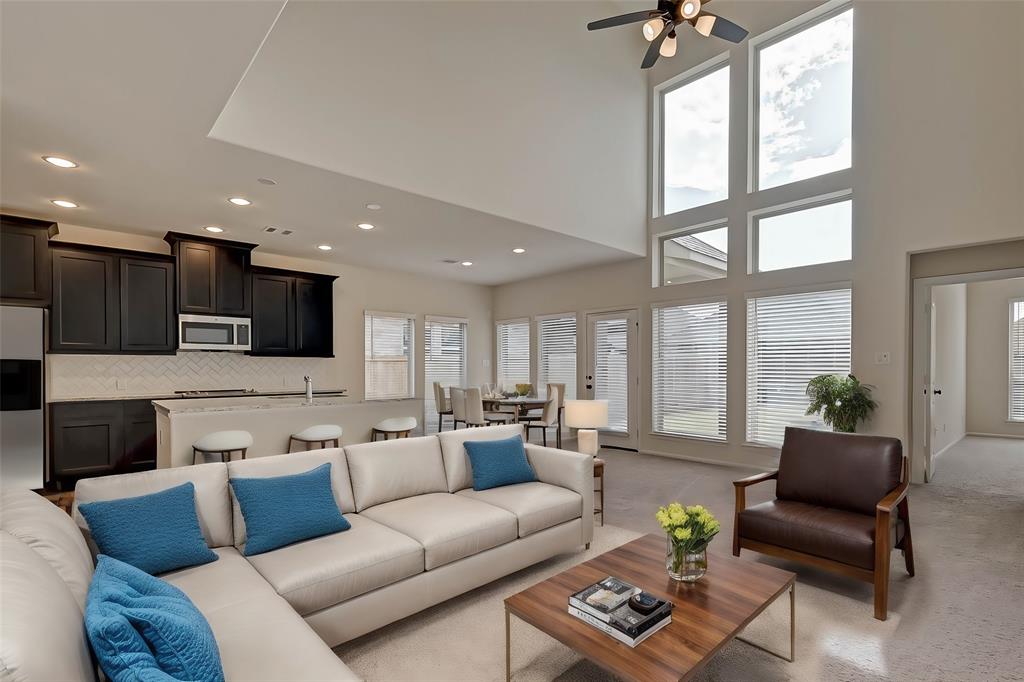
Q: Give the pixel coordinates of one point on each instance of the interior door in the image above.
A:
(613, 374)
(931, 390)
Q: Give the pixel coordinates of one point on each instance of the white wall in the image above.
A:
(949, 412)
(987, 356)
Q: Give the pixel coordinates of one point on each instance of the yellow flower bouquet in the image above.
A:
(689, 530)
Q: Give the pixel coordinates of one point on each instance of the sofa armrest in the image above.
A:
(567, 469)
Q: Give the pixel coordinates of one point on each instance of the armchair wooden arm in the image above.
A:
(892, 500)
(741, 502)
(756, 478)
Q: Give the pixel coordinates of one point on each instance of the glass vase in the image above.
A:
(686, 565)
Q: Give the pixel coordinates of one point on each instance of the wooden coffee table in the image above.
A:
(707, 615)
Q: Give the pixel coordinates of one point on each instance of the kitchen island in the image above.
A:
(270, 420)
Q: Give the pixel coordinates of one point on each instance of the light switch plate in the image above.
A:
(882, 358)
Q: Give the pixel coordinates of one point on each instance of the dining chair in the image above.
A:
(458, 400)
(475, 415)
(549, 417)
(534, 415)
(443, 405)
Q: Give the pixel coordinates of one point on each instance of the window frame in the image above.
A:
(411, 355)
(662, 237)
(757, 43)
(529, 346)
(679, 81)
(755, 217)
(1013, 302)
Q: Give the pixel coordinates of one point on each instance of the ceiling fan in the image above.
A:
(660, 26)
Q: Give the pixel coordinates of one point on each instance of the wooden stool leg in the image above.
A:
(194, 453)
(244, 450)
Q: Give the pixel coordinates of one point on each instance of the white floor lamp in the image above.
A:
(587, 416)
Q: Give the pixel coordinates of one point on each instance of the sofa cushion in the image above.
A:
(392, 469)
(228, 580)
(41, 633)
(843, 536)
(456, 462)
(281, 510)
(213, 502)
(294, 463)
(448, 526)
(325, 571)
(125, 601)
(536, 505)
(49, 531)
(156, 533)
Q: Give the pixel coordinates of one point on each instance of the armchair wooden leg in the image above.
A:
(908, 544)
(881, 572)
(741, 504)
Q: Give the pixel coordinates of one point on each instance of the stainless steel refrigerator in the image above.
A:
(22, 432)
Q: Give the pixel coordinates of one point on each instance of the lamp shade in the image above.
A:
(586, 414)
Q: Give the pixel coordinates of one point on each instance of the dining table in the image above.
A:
(521, 403)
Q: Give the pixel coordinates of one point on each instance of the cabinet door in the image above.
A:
(86, 309)
(139, 435)
(24, 264)
(87, 438)
(273, 315)
(147, 306)
(234, 284)
(314, 317)
(197, 276)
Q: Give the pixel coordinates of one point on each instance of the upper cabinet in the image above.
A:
(213, 275)
(24, 260)
(148, 323)
(293, 313)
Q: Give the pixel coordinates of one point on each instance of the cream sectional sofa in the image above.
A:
(420, 535)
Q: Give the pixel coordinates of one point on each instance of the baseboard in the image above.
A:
(943, 450)
(995, 435)
(710, 460)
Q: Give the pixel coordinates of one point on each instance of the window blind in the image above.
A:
(1017, 360)
(611, 370)
(689, 370)
(388, 345)
(790, 340)
(513, 353)
(556, 350)
(444, 361)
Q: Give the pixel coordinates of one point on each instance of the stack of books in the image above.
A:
(606, 606)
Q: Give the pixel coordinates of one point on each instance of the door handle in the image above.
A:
(937, 391)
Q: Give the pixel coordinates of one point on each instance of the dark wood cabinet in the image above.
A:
(213, 275)
(25, 260)
(293, 313)
(147, 305)
(85, 317)
(100, 437)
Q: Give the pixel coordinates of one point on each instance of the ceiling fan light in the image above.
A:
(704, 24)
(668, 48)
(689, 9)
(652, 28)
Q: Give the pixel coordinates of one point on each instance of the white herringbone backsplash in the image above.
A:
(100, 376)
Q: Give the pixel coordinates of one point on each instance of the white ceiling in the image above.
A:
(137, 92)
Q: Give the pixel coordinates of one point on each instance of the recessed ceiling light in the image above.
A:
(213, 228)
(60, 162)
(373, 207)
(324, 247)
(518, 250)
(239, 201)
(365, 226)
(466, 263)
(64, 203)
(266, 181)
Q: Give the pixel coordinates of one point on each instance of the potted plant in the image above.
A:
(689, 530)
(842, 401)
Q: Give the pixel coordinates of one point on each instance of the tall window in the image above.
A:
(695, 254)
(695, 145)
(1017, 360)
(804, 236)
(790, 340)
(556, 351)
(444, 361)
(513, 352)
(388, 345)
(805, 96)
(689, 370)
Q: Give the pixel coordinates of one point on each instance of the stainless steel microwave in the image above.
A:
(209, 332)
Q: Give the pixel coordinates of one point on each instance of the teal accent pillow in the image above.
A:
(143, 628)
(498, 462)
(281, 510)
(156, 533)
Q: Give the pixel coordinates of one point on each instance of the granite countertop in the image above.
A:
(176, 396)
(196, 405)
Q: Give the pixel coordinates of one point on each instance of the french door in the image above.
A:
(613, 374)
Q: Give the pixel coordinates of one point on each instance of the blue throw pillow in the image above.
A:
(281, 510)
(156, 533)
(142, 628)
(498, 462)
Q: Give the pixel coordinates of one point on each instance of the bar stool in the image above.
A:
(397, 426)
(222, 443)
(321, 433)
(599, 476)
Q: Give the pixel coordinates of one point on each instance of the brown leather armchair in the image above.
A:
(835, 497)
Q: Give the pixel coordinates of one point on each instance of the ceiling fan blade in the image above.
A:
(725, 29)
(653, 51)
(622, 19)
